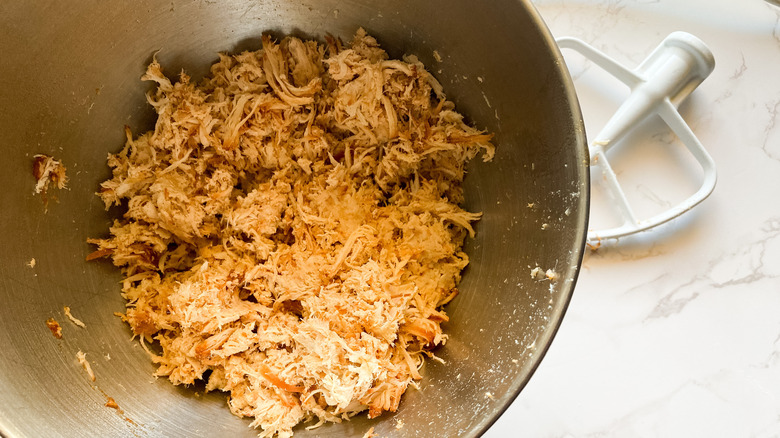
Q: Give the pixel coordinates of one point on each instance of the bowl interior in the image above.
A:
(71, 82)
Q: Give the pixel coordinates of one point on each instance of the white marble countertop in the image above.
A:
(675, 332)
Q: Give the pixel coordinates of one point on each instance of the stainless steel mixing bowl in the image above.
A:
(70, 82)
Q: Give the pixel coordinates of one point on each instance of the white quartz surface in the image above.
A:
(674, 332)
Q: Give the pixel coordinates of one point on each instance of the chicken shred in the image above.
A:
(48, 171)
(54, 327)
(73, 319)
(293, 227)
(82, 358)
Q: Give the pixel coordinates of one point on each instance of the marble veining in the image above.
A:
(675, 332)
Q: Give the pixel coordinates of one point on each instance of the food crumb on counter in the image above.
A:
(437, 56)
(593, 247)
(82, 357)
(370, 433)
(55, 327)
(31, 263)
(73, 319)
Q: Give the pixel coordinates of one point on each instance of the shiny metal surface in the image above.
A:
(70, 82)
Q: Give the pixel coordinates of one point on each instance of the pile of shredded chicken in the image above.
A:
(292, 227)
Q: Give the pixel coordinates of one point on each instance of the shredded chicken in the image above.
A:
(73, 319)
(54, 327)
(82, 358)
(111, 403)
(293, 227)
(48, 171)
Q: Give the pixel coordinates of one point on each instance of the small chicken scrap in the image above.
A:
(54, 327)
(46, 171)
(292, 227)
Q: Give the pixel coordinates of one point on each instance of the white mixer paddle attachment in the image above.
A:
(658, 85)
